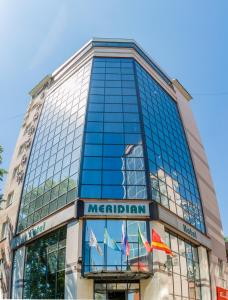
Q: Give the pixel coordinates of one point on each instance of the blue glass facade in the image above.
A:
(132, 123)
(110, 259)
(134, 145)
(52, 173)
(113, 163)
(172, 177)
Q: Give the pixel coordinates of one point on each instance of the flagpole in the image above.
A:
(121, 259)
(88, 233)
(138, 248)
(105, 251)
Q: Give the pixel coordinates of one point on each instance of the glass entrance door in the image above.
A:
(116, 291)
(116, 295)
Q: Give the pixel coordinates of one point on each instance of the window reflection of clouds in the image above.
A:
(183, 268)
(172, 175)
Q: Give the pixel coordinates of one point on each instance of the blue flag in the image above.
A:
(110, 242)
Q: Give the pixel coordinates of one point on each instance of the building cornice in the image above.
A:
(181, 89)
(113, 48)
(40, 86)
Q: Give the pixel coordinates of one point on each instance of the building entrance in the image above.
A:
(116, 295)
(116, 291)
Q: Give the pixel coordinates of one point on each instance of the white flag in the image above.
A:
(93, 242)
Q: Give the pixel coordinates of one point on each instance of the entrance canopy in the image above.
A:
(118, 275)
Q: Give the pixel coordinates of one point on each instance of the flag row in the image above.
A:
(156, 242)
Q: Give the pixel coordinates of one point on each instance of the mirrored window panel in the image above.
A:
(183, 269)
(104, 247)
(113, 163)
(52, 174)
(44, 273)
(172, 177)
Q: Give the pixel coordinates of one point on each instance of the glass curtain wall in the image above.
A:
(109, 258)
(172, 177)
(183, 269)
(113, 164)
(44, 274)
(52, 174)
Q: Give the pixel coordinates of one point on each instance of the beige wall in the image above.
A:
(9, 213)
(209, 201)
(208, 196)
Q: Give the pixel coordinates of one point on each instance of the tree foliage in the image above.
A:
(2, 171)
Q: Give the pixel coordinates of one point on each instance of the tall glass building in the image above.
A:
(109, 151)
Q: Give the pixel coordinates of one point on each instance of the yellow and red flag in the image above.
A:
(158, 244)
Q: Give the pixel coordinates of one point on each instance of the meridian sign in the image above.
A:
(116, 209)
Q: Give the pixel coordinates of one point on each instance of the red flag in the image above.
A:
(158, 244)
(222, 294)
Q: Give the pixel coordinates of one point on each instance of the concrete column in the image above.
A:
(76, 287)
(84, 286)
(18, 273)
(204, 273)
(71, 260)
(157, 287)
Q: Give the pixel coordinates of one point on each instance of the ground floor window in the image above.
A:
(116, 291)
(183, 269)
(116, 246)
(44, 274)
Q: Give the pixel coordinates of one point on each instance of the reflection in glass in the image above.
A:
(183, 269)
(168, 153)
(112, 260)
(45, 267)
(51, 176)
(127, 291)
(118, 130)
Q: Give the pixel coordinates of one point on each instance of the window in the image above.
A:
(10, 199)
(51, 179)
(4, 230)
(21, 149)
(2, 201)
(220, 268)
(115, 260)
(168, 153)
(1, 268)
(15, 170)
(183, 269)
(113, 134)
(116, 290)
(44, 273)
(27, 129)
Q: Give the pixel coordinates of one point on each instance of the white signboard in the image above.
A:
(116, 209)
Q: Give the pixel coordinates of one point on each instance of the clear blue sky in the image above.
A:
(187, 38)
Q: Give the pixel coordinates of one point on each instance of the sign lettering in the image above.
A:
(127, 209)
(189, 231)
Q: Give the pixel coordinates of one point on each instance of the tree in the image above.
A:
(2, 171)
